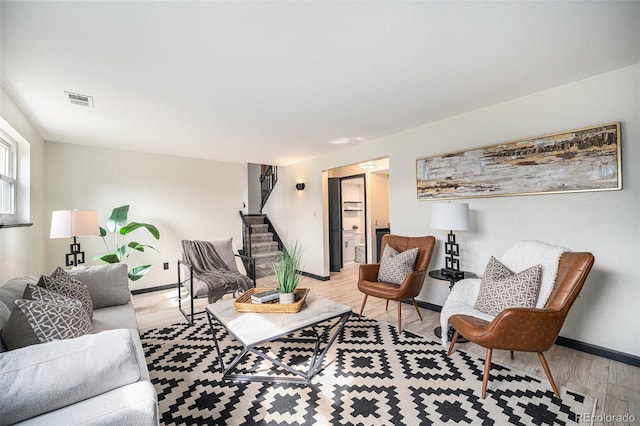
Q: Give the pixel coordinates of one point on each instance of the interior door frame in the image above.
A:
(364, 210)
(335, 229)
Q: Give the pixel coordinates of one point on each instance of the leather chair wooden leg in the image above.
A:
(547, 371)
(386, 307)
(453, 343)
(364, 302)
(485, 377)
(417, 310)
(399, 317)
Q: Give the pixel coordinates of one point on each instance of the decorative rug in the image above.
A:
(372, 376)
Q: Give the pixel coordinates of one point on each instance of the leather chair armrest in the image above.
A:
(411, 285)
(515, 329)
(369, 271)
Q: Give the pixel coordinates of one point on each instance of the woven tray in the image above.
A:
(243, 303)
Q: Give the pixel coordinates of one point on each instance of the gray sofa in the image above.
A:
(98, 378)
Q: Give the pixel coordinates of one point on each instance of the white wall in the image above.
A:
(22, 250)
(252, 188)
(184, 198)
(605, 223)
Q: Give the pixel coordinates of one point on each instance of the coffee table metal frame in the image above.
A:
(315, 363)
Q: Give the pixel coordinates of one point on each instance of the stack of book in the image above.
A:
(265, 296)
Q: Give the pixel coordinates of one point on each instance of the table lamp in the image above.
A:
(74, 224)
(451, 217)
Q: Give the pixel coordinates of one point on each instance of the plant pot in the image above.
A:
(287, 298)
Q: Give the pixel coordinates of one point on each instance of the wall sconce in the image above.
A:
(300, 186)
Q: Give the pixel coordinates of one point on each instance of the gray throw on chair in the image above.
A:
(209, 267)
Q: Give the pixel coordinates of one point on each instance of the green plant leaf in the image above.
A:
(138, 272)
(130, 227)
(288, 270)
(140, 247)
(117, 227)
(110, 258)
(136, 246)
(120, 251)
(118, 218)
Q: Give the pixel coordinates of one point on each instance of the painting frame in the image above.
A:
(581, 160)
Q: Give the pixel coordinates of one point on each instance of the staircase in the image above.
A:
(260, 242)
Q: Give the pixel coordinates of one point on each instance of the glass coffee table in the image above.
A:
(255, 329)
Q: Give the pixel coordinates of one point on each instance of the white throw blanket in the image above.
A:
(519, 256)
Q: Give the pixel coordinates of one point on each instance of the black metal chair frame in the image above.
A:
(190, 316)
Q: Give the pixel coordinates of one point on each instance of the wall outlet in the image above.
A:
(165, 265)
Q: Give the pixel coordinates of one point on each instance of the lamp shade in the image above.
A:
(450, 216)
(74, 223)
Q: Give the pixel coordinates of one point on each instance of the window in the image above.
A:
(8, 176)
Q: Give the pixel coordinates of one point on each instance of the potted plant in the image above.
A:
(118, 226)
(288, 272)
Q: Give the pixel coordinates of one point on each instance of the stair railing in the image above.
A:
(245, 253)
(272, 229)
(246, 235)
(268, 180)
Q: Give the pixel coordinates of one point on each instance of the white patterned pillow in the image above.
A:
(65, 284)
(500, 288)
(35, 321)
(394, 266)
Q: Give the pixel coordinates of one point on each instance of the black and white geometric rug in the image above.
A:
(372, 376)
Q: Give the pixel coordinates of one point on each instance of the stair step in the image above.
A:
(259, 228)
(255, 220)
(261, 238)
(261, 273)
(270, 256)
(264, 247)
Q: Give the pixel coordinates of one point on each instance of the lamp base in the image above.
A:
(452, 273)
(76, 256)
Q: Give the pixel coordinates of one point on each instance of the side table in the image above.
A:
(438, 275)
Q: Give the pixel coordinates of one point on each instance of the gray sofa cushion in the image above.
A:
(108, 284)
(119, 316)
(134, 404)
(89, 365)
(13, 289)
(5, 312)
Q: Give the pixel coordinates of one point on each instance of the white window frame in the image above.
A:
(8, 212)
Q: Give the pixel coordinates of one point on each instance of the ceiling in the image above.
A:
(276, 82)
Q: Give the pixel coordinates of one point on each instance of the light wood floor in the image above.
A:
(614, 384)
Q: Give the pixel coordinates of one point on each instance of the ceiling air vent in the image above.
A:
(78, 99)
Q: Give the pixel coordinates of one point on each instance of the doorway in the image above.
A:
(347, 221)
(354, 244)
(358, 206)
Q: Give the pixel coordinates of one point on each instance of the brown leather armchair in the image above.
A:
(528, 329)
(368, 274)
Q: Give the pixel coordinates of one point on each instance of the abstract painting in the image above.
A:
(578, 160)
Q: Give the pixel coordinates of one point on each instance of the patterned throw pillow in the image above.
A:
(35, 321)
(32, 292)
(394, 266)
(65, 284)
(500, 288)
